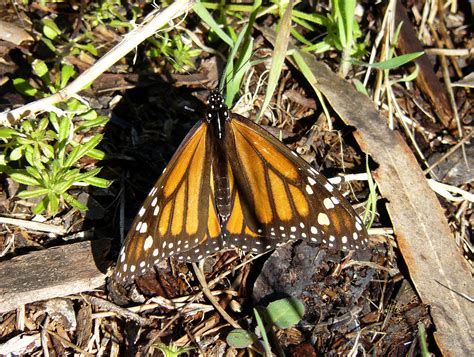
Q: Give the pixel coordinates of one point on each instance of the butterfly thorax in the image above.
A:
(217, 114)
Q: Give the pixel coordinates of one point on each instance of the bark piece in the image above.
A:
(59, 271)
(426, 79)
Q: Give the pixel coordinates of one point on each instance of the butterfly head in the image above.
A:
(217, 113)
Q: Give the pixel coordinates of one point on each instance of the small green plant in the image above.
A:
(172, 350)
(61, 44)
(343, 32)
(282, 313)
(43, 153)
(112, 13)
(174, 48)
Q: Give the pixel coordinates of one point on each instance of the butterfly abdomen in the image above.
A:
(222, 196)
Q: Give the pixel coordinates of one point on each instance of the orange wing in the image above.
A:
(232, 184)
(179, 217)
(278, 197)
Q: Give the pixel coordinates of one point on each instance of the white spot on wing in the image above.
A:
(328, 203)
(141, 212)
(148, 243)
(323, 219)
(144, 227)
(309, 190)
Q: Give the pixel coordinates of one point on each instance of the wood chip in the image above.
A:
(59, 271)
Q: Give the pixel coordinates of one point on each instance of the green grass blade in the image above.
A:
(278, 58)
(205, 16)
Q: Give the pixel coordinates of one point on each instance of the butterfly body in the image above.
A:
(231, 185)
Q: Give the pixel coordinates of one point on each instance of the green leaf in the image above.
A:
(33, 193)
(205, 16)
(47, 150)
(237, 66)
(42, 125)
(16, 153)
(408, 78)
(67, 72)
(89, 115)
(71, 174)
(347, 13)
(64, 185)
(36, 154)
(172, 350)
(74, 203)
(64, 125)
(278, 58)
(53, 119)
(89, 47)
(240, 338)
(360, 86)
(96, 154)
(33, 172)
(41, 206)
(24, 87)
(315, 18)
(39, 68)
(97, 182)
(101, 120)
(285, 313)
(263, 332)
(24, 178)
(49, 44)
(53, 203)
(393, 62)
(50, 29)
(84, 175)
(82, 149)
(24, 141)
(235, 74)
(7, 133)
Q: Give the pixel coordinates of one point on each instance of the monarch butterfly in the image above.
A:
(229, 185)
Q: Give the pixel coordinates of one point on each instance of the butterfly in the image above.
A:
(231, 184)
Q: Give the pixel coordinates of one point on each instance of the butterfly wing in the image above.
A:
(277, 196)
(178, 218)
